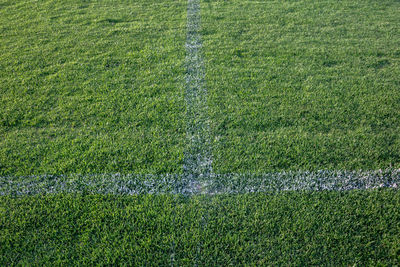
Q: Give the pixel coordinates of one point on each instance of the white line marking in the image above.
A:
(134, 184)
(197, 162)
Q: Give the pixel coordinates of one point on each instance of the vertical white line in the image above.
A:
(197, 164)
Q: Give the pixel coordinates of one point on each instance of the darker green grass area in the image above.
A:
(303, 85)
(320, 228)
(92, 86)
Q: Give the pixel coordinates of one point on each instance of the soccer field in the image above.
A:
(200, 132)
(291, 228)
(92, 87)
(303, 85)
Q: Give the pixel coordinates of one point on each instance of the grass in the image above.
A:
(97, 87)
(303, 85)
(325, 228)
(92, 86)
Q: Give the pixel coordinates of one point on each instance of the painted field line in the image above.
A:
(197, 164)
(135, 184)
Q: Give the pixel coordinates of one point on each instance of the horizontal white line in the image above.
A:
(133, 184)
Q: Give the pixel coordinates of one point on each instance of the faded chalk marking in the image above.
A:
(135, 184)
(197, 166)
(197, 159)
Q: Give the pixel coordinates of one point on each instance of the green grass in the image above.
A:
(325, 228)
(303, 85)
(97, 87)
(92, 86)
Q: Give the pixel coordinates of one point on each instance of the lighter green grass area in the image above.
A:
(303, 85)
(92, 86)
(356, 228)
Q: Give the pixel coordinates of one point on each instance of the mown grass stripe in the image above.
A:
(136, 184)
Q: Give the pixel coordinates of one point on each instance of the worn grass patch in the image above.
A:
(303, 85)
(92, 86)
(324, 228)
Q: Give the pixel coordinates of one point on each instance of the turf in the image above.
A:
(92, 86)
(325, 228)
(303, 85)
(92, 89)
